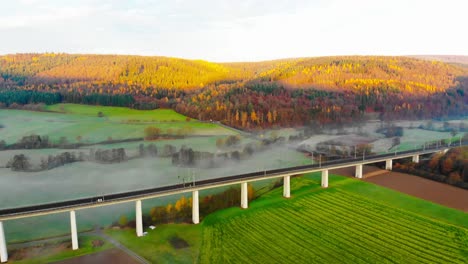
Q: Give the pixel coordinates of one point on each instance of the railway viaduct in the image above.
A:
(138, 196)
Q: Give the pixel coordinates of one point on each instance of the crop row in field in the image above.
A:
(331, 226)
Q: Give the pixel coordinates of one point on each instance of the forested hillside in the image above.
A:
(246, 95)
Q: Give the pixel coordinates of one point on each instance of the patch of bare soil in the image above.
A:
(114, 256)
(178, 242)
(38, 250)
(433, 191)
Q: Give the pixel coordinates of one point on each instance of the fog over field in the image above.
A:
(85, 179)
(90, 178)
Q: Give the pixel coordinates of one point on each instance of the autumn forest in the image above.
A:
(245, 95)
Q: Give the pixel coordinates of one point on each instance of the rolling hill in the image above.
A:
(246, 95)
(122, 73)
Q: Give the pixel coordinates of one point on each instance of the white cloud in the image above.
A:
(236, 30)
(45, 18)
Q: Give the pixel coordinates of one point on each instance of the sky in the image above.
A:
(235, 30)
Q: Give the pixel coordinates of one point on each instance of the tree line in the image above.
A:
(451, 167)
(181, 210)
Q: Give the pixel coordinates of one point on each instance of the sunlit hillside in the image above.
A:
(131, 73)
(244, 94)
(87, 71)
(356, 73)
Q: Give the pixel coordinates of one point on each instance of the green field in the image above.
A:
(350, 222)
(119, 113)
(155, 246)
(80, 123)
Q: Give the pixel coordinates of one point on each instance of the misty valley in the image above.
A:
(159, 159)
(39, 169)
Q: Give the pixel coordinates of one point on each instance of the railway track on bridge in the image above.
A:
(103, 200)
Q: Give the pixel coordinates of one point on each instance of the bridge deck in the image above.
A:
(105, 200)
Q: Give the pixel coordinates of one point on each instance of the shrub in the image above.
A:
(152, 133)
(123, 221)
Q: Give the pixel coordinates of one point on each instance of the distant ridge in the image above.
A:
(457, 59)
(143, 75)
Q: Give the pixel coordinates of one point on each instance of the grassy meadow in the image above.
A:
(156, 247)
(80, 123)
(120, 114)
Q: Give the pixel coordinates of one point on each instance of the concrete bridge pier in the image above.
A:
(388, 164)
(195, 210)
(244, 196)
(358, 171)
(74, 232)
(416, 158)
(325, 178)
(287, 186)
(3, 246)
(139, 219)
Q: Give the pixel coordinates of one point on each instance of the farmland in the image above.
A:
(350, 222)
(330, 226)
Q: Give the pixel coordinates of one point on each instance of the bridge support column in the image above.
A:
(416, 158)
(3, 245)
(74, 232)
(388, 164)
(195, 211)
(287, 186)
(325, 178)
(358, 171)
(139, 219)
(244, 196)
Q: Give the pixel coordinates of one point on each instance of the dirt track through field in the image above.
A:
(433, 191)
(114, 256)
